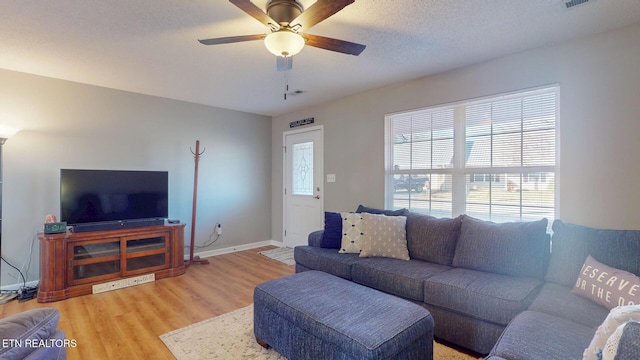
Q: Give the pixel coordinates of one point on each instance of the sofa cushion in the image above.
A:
(573, 243)
(539, 336)
(607, 286)
(617, 316)
(397, 277)
(557, 300)
(327, 260)
(365, 209)
(516, 248)
(351, 233)
(332, 235)
(384, 236)
(432, 239)
(482, 295)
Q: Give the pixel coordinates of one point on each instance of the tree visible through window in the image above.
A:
(493, 158)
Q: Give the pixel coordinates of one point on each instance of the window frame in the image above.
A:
(459, 172)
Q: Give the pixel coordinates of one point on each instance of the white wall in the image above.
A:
(70, 125)
(599, 79)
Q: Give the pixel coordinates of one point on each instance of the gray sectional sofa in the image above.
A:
(496, 289)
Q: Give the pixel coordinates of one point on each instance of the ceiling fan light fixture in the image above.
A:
(284, 43)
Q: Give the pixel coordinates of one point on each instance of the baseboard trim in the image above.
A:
(16, 286)
(232, 249)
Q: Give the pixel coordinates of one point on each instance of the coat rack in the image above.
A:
(195, 259)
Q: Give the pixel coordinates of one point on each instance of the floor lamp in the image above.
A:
(195, 259)
(5, 133)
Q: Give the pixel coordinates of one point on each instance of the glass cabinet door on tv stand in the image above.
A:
(95, 260)
(110, 258)
(144, 254)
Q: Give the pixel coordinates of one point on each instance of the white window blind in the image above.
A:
(493, 158)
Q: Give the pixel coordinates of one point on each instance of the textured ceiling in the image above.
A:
(150, 46)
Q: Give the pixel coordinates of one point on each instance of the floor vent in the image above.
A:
(572, 3)
(123, 283)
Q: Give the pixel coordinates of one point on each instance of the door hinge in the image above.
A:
(285, 149)
(285, 191)
(70, 264)
(285, 232)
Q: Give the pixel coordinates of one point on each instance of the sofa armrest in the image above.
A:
(22, 330)
(315, 238)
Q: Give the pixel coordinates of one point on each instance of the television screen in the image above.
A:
(94, 196)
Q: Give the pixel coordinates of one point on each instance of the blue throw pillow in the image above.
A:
(399, 212)
(332, 236)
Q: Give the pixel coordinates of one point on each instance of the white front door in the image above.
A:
(303, 187)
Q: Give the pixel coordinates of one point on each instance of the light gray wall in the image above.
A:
(599, 79)
(70, 125)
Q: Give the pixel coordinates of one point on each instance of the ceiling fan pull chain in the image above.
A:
(286, 85)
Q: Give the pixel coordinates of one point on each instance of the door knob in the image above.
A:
(317, 197)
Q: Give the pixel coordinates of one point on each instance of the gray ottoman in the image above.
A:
(314, 315)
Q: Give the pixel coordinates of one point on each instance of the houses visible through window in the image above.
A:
(491, 158)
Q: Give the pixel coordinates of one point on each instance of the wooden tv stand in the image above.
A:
(71, 263)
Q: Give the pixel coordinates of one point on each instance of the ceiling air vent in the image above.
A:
(572, 3)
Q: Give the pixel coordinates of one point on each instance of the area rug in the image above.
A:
(230, 336)
(283, 254)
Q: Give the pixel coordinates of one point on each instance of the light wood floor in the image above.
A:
(126, 323)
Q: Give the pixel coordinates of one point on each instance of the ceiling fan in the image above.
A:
(287, 19)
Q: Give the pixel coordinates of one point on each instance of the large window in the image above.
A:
(493, 158)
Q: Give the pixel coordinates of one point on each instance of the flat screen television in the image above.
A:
(106, 199)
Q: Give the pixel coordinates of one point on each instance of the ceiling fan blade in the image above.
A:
(232, 39)
(284, 63)
(340, 46)
(257, 13)
(319, 11)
